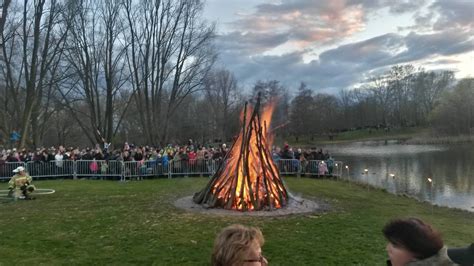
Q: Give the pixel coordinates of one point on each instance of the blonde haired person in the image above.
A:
(238, 245)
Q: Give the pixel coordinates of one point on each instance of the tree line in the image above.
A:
(401, 97)
(80, 72)
(85, 66)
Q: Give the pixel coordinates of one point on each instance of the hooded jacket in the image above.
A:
(439, 259)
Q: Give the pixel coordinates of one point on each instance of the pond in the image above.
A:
(441, 174)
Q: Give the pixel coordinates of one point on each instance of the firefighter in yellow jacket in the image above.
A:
(20, 184)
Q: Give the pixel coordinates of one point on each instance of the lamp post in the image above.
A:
(394, 185)
(431, 194)
(366, 171)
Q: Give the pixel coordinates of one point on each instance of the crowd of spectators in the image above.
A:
(288, 153)
(130, 152)
(304, 161)
(182, 156)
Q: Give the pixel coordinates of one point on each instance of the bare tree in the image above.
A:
(399, 81)
(3, 18)
(455, 112)
(427, 90)
(221, 92)
(301, 114)
(379, 88)
(95, 57)
(273, 91)
(168, 57)
(30, 72)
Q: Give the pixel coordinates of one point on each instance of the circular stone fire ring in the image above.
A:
(295, 206)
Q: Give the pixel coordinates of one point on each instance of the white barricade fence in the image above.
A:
(6, 169)
(87, 168)
(193, 167)
(134, 169)
(98, 169)
(313, 167)
(288, 166)
(156, 168)
(41, 169)
(151, 168)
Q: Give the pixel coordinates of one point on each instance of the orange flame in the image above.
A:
(250, 178)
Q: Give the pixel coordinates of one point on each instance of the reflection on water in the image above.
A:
(406, 169)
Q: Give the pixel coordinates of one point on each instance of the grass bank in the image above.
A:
(105, 222)
(441, 140)
(402, 134)
(417, 136)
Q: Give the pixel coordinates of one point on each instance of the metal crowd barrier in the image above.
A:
(140, 169)
(193, 167)
(40, 169)
(6, 169)
(95, 169)
(311, 168)
(98, 169)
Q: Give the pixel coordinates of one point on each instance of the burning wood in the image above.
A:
(247, 179)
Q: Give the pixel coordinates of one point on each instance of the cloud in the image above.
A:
(404, 6)
(454, 14)
(428, 45)
(443, 62)
(442, 15)
(395, 7)
(348, 64)
(373, 50)
(441, 29)
(304, 22)
(250, 42)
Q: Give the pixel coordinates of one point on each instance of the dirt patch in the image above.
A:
(295, 206)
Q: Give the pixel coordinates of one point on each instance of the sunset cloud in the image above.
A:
(275, 40)
(303, 22)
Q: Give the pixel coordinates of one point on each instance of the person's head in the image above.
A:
(20, 170)
(410, 240)
(238, 245)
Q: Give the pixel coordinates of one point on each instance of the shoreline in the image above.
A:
(402, 140)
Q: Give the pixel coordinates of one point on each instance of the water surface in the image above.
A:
(406, 169)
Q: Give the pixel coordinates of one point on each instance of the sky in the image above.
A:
(338, 44)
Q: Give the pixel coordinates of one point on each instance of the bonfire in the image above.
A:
(247, 179)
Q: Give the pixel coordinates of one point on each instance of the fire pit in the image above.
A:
(248, 181)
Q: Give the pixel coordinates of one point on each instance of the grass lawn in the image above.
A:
(107, 222)
(359, 135)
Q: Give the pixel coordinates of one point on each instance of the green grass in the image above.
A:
(359, 135)
(105, 222)
(401, 133)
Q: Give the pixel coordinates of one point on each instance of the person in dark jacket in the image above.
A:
(462, 256)
(412, 242)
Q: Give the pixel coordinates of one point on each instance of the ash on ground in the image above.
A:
(295, 205)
